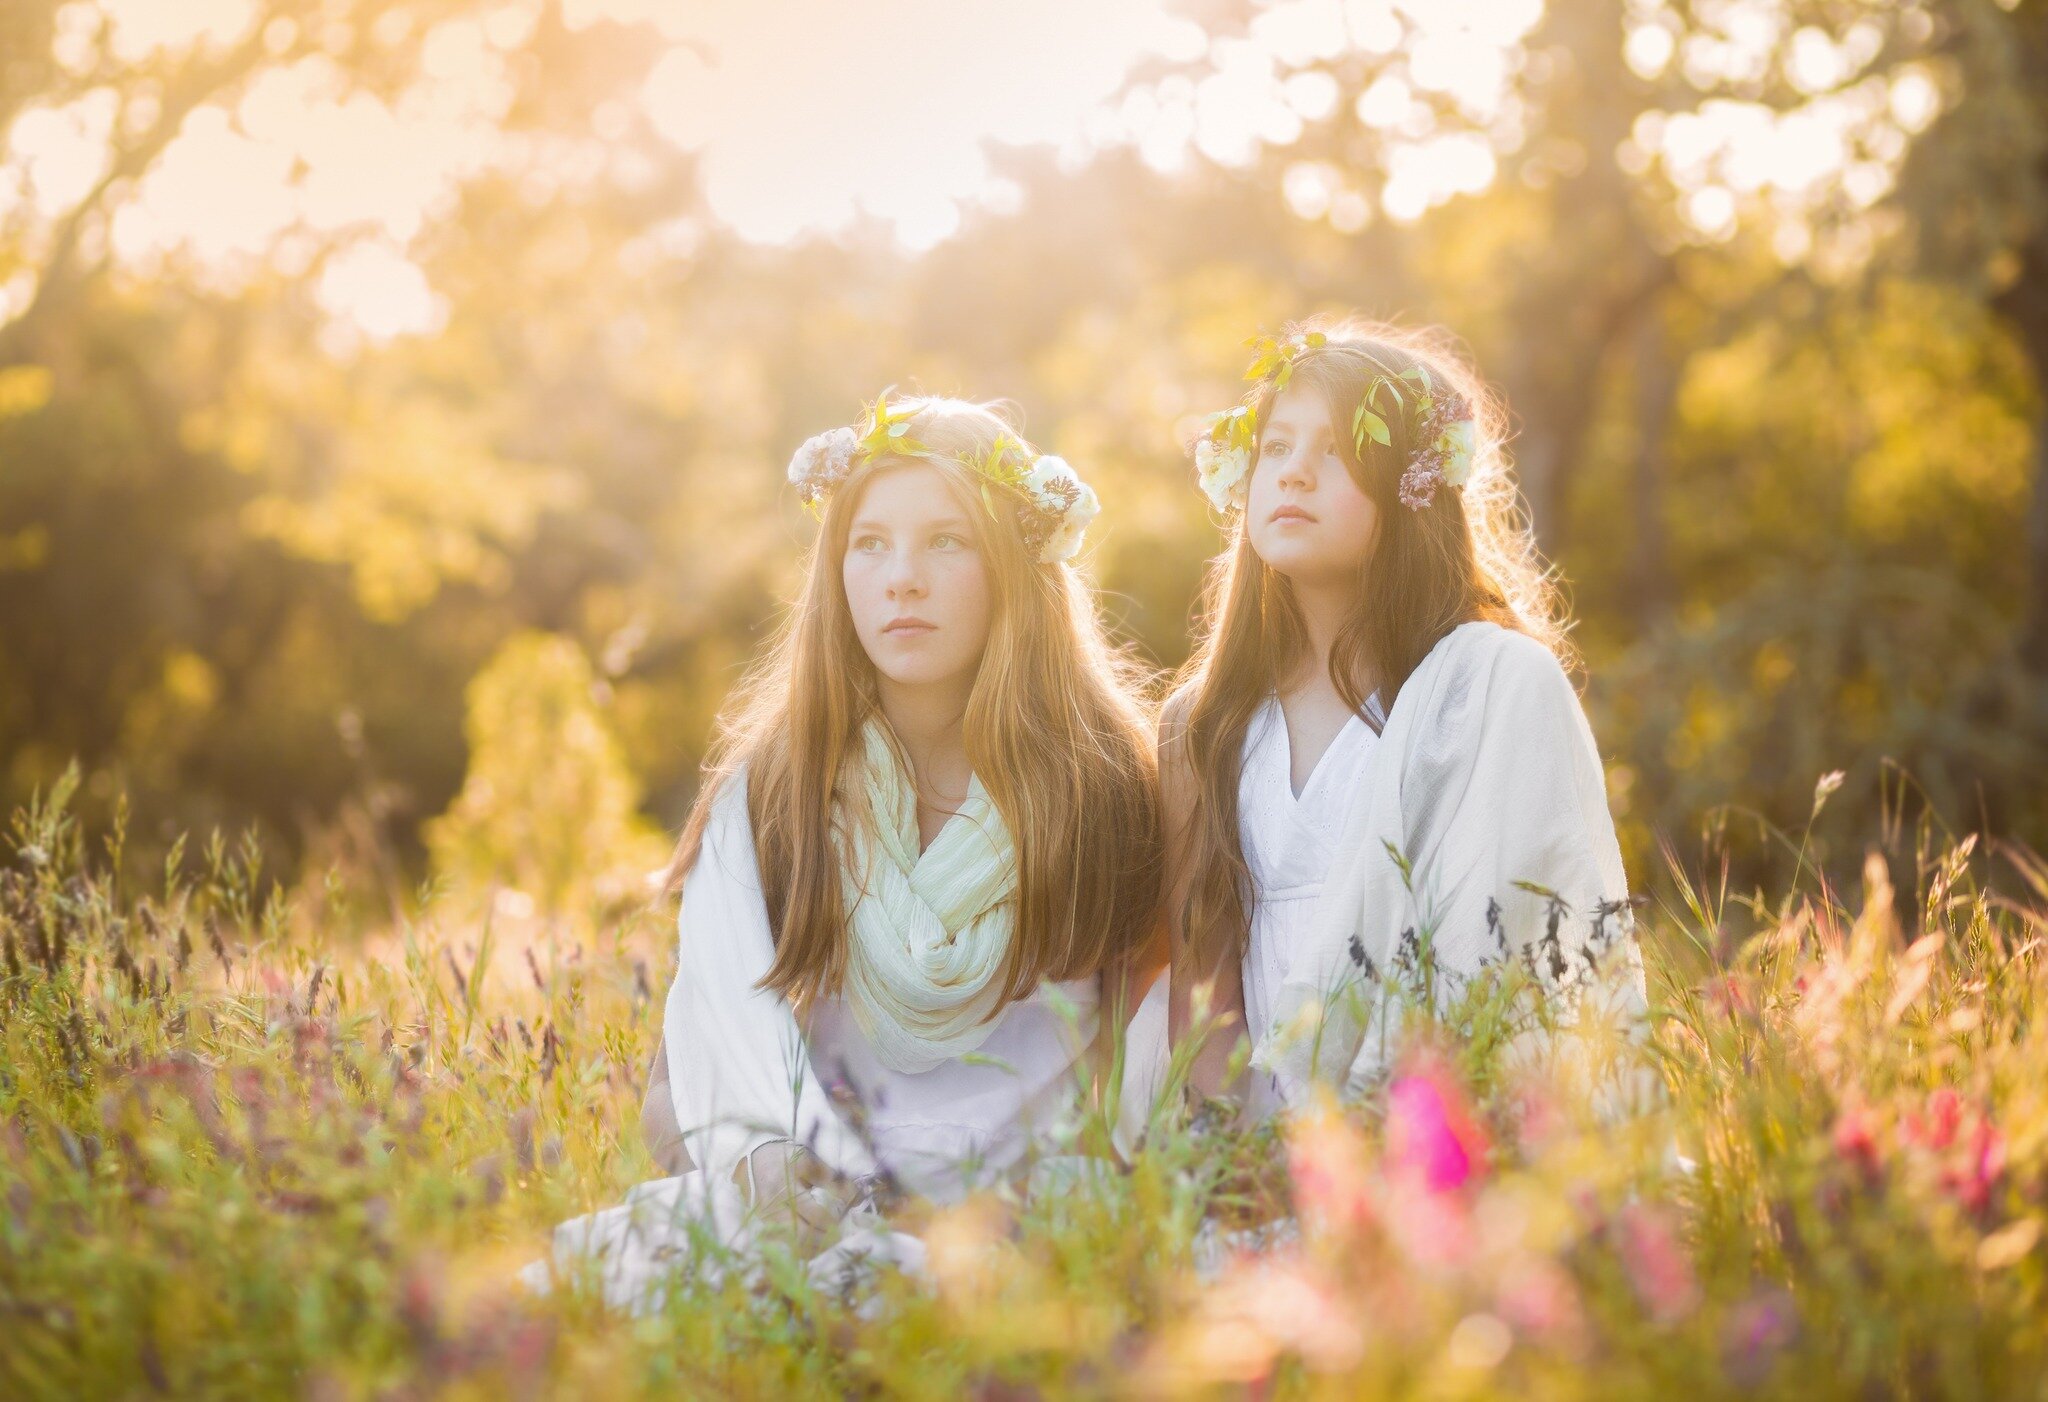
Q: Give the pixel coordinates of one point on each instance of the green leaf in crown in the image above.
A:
(887, 432)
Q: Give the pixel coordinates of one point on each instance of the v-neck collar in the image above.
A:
(1286, 746)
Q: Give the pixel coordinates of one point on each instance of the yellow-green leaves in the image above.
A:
(1274, 359)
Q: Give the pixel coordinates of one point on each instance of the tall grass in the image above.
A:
(244, 1152)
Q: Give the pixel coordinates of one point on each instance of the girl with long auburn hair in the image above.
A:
(924, 866)
(1374, 761)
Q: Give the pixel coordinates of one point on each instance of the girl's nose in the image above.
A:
(1295, 473)
(905, 578)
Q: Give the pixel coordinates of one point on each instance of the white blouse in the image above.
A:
(944, 1130)
(1290, 841)
(744, 1074)
(741, 1078)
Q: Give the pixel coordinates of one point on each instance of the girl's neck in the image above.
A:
(930, 721)
(1323, 611)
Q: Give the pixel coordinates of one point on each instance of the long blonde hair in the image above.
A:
(1053, 730)
(1468, 555)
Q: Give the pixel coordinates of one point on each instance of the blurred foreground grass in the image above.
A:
(244, 1152)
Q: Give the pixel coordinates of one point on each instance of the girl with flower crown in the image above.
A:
(922, 867)
(1374, 764)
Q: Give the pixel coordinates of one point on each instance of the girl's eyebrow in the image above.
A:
(956, 524)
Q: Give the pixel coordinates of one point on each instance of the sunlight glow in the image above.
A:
(890, 111)
(882, 109)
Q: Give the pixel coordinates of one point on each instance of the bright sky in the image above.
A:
(809, 113)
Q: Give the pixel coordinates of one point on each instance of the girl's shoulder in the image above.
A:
(729, 803)
(1481, 676)
(1509, 659)
(728, 842)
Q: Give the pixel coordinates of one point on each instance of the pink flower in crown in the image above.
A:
(1431, 1136)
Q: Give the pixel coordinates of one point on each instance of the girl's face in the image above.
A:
(916, 581)
(1306, 517)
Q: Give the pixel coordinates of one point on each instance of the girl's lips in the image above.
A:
(1290, 513)
(909, 627)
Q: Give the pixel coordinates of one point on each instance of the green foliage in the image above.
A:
(549, 807)
(245, 1152)
(248, 563)
(1878, 672)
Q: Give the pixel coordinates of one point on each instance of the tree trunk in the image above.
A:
(2024, 306)
(1651, 591)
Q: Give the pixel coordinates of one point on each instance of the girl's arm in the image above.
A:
(1207, 995)
(658, 1116)
(740, 1076)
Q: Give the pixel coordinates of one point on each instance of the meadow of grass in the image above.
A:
(247, 1150)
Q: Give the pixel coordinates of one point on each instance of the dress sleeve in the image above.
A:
(1513, 848)
(739, 1070)
(1484, 836)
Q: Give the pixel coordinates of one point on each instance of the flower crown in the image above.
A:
(1058, 505)
(1437, 418)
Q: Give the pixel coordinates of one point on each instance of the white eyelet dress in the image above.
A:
(1290, 843)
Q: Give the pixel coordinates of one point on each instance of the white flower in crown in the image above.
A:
(1046, 470)
(821, 461)
(1065, 541)
(1459, 442)
(1056, 489)
(1223, 471)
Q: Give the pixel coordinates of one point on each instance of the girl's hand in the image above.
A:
(790, 1184)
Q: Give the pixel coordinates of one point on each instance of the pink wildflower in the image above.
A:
(1656, 1263)
(1856, 1140)
(1538, 1298)
(1982, 1164)
(1430, 1134)
(1944, 1118)
(1327, 1161)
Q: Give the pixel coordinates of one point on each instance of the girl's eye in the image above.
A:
(868, 544)
(949, 542)
(1274, 447)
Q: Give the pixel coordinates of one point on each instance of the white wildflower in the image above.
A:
(1459, 444)
(1223, 471)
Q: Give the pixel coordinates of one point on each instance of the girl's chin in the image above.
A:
(918, 672)
(1303, 563)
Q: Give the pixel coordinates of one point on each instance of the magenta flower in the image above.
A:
(1430, 1135)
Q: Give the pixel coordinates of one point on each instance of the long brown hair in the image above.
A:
(1467, 556)
(1053, 730)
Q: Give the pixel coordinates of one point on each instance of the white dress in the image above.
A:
(743, 1074)
(1479, 833)
(963, 1122)
(1290, 842)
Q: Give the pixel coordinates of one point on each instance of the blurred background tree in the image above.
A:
(345, 345)
(548, 807)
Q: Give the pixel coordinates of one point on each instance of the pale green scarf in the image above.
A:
(928, 934)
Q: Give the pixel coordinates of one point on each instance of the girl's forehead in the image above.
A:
(911, 495)
(1297, 406)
